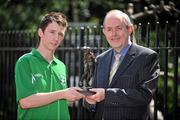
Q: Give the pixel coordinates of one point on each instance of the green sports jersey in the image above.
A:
(33, 74)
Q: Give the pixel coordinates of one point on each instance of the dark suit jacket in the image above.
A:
(132, 87)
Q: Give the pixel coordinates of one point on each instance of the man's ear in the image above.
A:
(130, 29)
(103, 31)
(40, 32)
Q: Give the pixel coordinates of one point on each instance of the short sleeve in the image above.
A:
(23, 79)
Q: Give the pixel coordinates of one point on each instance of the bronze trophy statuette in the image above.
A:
(89, 65)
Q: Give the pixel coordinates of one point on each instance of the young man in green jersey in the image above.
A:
(41, 87)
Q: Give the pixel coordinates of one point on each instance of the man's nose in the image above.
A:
(56, 37)
(114, 32)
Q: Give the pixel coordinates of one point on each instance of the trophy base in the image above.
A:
(86, 92)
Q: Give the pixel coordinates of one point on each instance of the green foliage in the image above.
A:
(25, 14)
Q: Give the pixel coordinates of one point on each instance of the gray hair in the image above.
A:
(125, 17)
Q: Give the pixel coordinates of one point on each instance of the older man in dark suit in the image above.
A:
(125, 75)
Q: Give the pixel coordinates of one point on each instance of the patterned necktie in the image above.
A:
(114, 67)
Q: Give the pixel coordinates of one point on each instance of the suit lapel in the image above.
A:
(106, 68)
(129, 57)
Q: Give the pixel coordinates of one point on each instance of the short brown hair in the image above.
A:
(57, 17)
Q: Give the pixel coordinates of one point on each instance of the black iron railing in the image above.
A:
(14, 43)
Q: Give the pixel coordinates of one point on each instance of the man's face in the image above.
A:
(52, 36)
(116, 32)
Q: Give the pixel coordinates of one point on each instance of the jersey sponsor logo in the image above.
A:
(62, 78)
(35, 77)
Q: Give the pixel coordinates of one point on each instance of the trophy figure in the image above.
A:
(89, 65)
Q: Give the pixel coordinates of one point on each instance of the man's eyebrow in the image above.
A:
(61, 33)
